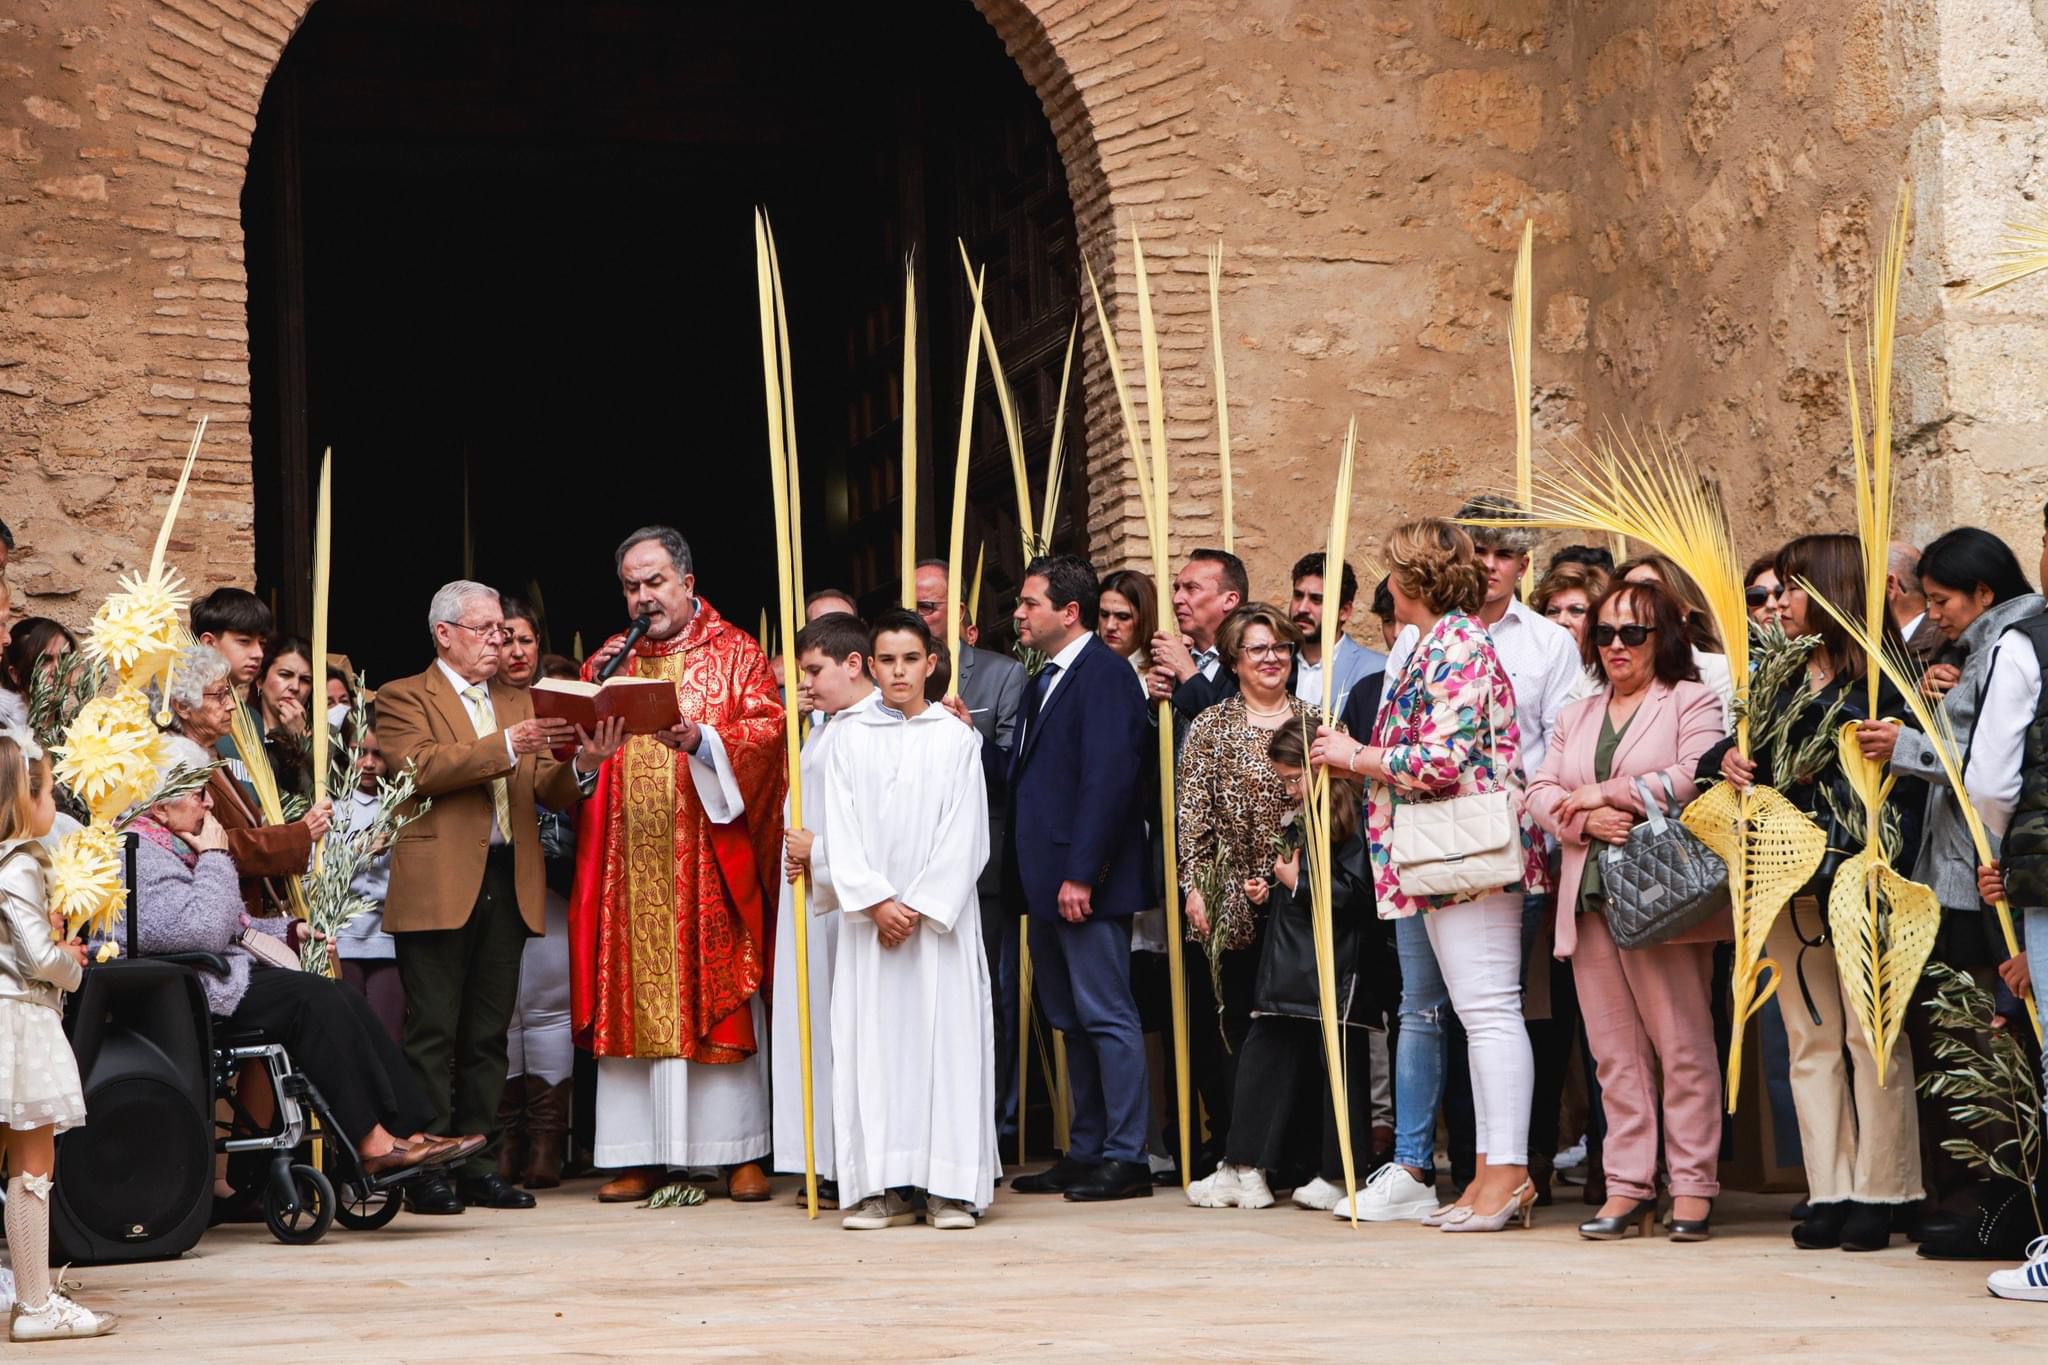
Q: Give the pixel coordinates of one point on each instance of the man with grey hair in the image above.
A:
(1907, 602)
(468, 886)
(668, 935)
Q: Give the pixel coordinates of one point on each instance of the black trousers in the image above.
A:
(335, 1039)
(1283, 1099)
(461, 986)
(1216, 1037)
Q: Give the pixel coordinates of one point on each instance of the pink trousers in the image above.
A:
(1646, 1010)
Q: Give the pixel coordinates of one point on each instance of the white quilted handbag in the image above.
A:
(1460, 846)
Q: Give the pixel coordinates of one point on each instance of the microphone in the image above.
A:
(633, 634)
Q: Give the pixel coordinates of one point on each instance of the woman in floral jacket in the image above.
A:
(1447, 729)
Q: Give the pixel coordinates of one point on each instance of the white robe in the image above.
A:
(667, 1111)
(913, 1039)
(784, 1054)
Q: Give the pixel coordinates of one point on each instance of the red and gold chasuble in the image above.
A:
(668, 939)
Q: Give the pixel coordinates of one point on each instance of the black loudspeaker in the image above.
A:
(136, 1182)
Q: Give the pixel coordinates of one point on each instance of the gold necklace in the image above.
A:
(1282, 710)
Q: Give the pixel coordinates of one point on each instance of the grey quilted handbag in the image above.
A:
(1663, 881)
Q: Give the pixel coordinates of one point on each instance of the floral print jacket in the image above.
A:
(1433, 726)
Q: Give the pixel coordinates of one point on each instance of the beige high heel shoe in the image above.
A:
(1521, 1207)
(1446, 1214)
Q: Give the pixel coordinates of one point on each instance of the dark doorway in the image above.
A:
(501, 261)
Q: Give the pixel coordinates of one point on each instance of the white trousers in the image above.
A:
(539, 1042)
(1478, 946)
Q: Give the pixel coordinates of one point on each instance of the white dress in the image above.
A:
(913, 1027)
(38, 1076)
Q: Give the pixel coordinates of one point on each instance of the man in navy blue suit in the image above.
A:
(1075, 862)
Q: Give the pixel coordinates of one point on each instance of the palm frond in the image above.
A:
(1521, 355)
(908, 531)
(2025, 253)
(1222, 397)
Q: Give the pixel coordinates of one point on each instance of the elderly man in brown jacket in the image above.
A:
(467, 886)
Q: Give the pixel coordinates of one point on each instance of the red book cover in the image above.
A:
(647, 705)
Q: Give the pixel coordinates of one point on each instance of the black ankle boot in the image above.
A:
(1821, 1229)
(1867, 1228)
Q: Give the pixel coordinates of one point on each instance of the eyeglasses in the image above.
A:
(1757, 596)
(930, 608)
(1575, 612)
(1632, 636)
(1276, 650)
(488, 634)
(223, 695)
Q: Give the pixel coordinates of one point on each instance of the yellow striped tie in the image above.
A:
(486, 723)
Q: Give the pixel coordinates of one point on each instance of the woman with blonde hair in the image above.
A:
(1447, 730)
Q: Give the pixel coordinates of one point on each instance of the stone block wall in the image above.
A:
(1708, 179)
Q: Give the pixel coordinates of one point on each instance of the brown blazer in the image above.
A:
(261, 853)
(437, 865)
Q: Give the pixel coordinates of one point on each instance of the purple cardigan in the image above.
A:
(197, 909)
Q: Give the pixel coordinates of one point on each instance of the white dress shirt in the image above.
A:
(1063, 661)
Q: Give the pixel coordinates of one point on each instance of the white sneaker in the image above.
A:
(1391, 1195)
(2028, 1282)
(1572, 1156)
(57, 1319)
(1318, 1195)
(948, 1215)
(6, 1290)
(1252, 1191)
(886, 1210)
(1215, 1191)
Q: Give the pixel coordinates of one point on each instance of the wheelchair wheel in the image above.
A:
(364, 1208)
(315, 1214)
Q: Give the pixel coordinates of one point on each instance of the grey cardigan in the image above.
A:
(1948, 859)
(197, 909)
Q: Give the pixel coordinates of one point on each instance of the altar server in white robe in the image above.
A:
(832, 656)
(913, 1048)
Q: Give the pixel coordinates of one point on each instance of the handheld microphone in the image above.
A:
(633, 634)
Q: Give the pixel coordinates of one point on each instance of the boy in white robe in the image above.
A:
(913, 1045)
(831, 656)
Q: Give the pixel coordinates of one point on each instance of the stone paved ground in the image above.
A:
(1041, 1280)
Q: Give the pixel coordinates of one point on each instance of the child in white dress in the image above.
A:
(39, 1091)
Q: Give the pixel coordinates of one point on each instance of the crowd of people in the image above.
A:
(570, 956)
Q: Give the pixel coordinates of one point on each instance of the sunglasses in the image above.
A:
(1632, 636)
(1756, 597)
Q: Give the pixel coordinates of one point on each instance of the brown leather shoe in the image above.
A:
(748, 1184)
(399, 1158)
(630, 1187)
(449, 1150)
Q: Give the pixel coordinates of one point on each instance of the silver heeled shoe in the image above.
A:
(1520, 1208)
(1446, 1214)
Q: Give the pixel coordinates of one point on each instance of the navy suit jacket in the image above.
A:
(1075, 790)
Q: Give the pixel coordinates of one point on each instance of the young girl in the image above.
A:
(1282, 1075)
(39, 1090)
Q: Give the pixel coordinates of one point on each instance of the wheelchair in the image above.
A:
(313, 1177)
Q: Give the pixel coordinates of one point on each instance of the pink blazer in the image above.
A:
(1672, 729)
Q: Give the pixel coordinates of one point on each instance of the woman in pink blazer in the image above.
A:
(1645, 1008)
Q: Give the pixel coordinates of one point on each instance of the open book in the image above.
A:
(647, 705)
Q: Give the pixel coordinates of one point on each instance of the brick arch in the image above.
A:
(1119, 92)
(124, 316)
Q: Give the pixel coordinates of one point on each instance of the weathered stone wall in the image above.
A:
(1707, 179)
(1738, 164)
(1366, 164)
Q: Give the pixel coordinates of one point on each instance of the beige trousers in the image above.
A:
(1860, 1142)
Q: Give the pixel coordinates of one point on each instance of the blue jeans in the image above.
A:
(2036, 946)
(1419, 1052)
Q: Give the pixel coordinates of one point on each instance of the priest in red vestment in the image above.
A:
(678, 853)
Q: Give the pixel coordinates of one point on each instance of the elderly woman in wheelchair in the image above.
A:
(188, 901)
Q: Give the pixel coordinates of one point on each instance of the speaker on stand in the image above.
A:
(135, 1183)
